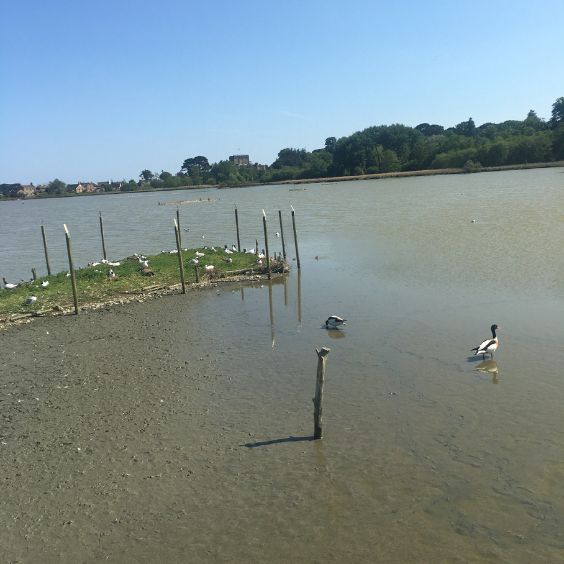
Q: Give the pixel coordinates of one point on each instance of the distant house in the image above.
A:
(26, 191)
(10, 190)
(240, 160)
(83, 187)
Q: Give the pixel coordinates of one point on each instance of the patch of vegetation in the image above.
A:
(95, 286)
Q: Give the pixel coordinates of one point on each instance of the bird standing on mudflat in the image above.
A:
(489, 346)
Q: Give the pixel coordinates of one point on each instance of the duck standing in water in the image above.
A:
(334, 322)
(489, 346)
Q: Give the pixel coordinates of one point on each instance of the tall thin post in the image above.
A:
(102, 234)
(256, 247)
(237, 226)
(197, 273)
(34, 273)
(295, 236)
(45, 249)
(282, 234)
(180, 264)
(266, 243)
(71, 269)
(178, 225)
(318, 399)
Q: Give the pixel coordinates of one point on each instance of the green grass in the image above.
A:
(93, 285)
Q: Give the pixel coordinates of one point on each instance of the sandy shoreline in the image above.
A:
(109, 451)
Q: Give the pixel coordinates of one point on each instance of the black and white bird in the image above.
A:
(8, 285)
(489, 346)
(334, 322)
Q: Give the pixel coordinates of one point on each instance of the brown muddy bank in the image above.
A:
(123, 439)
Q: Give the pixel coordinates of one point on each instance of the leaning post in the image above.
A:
(45, 250)
(237, 226)
(295, 236)
(102, 234)
(178, 225)
(266, 243)
(71, 269)
(282, 234)
(318, 399)
(180, 265)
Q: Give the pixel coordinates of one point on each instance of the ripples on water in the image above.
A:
(419, 445)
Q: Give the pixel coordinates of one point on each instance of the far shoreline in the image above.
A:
(322, 180)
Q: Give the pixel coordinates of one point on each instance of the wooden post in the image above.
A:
(237, 226)
(180, 265)
(34, 273)
(266, 243)
(71, 269)
(295, 236)
(197, 274)
(318, 399)
(282, 234)
(102, 234)
(45, 249)
(256, 247)
(178, 225)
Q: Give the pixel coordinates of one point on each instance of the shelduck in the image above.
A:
(334, 322)
(489, 346)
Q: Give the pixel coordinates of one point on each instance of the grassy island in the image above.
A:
(132, 278)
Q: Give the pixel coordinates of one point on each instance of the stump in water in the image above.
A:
(318, 399)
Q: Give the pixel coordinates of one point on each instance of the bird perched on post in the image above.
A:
(334, 322)
(489, 346)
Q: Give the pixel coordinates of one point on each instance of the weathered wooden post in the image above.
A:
(266, 243)
(295, 236)
(45, 249)
(318, 399)
(71, 269)
(197, 274)
(180, 265)
(102, 234)
(34, 273)
(282, 234)
(178, 225)
(256, 247)
(237, 226)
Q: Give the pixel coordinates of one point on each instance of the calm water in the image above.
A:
(421, 450)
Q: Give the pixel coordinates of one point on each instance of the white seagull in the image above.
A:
(209, 267)
(45, 283)
(31, 300)
(489, 346)
(111, 275)
(334, 322)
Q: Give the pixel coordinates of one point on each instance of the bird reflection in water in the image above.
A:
(489, 367)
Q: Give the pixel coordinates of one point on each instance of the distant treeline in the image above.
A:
(392, 148)
(377, 149)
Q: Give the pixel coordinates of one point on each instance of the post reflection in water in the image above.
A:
(285, 291)
(489, 367)
(299, 276)
(242, 294)
(271, 313)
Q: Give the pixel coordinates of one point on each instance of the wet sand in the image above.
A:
(125, 439)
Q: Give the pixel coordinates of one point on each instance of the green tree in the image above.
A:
(467, 128)
(56, 187)
(200, 161)
(146, 175)
(557, 112)
(330, 143)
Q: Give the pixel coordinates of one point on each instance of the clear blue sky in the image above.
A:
(95, 90)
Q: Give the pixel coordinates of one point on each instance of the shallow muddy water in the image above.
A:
(180, 429)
